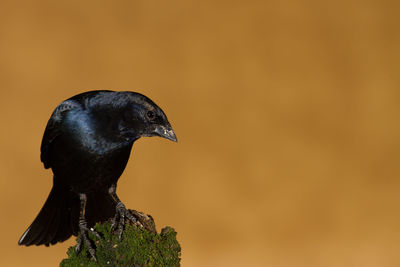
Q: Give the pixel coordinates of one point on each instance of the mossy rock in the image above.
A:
(138, 247)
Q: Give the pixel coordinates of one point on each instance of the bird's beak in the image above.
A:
(166, 132)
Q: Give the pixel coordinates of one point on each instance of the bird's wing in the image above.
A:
(53, 128)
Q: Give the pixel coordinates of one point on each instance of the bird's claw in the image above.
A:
(119, 218)
(83, 237)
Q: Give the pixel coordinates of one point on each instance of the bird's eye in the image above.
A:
(150, 114)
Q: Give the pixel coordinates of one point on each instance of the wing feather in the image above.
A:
(53, 129)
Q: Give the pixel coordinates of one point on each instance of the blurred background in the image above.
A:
(287, 115)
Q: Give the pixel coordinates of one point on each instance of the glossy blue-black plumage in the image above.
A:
(87, 144)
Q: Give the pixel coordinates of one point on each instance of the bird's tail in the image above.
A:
(58, 219)
(55, 221)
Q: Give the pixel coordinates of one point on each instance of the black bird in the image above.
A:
(87, 143)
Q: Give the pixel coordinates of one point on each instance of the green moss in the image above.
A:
(138, 247)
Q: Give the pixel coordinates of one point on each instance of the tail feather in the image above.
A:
(58, 219)
(46, 229)
(63, 223)
(52, 228)
(67, 220)
(43, 232)
(99, 207)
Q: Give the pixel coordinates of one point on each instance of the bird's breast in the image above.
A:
(85, 160)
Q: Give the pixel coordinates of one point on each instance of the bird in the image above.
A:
(87, 143)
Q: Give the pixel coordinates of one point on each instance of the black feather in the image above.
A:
(87, 144)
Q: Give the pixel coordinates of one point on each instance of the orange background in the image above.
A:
(287, 115)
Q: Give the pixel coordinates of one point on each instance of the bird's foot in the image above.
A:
(84, 237)
(119, 219)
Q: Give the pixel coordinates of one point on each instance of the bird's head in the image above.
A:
(142, 117)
